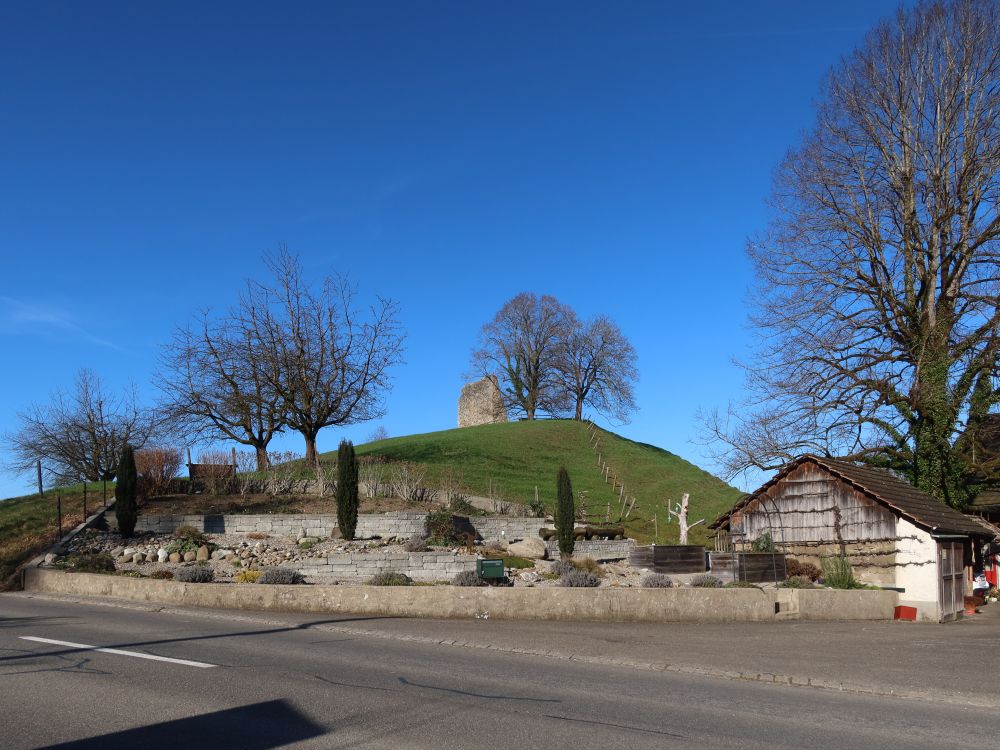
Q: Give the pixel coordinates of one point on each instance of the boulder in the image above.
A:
(530, 576)
(202, 554)
(118, 552)
(190, 556)
(151, 557)
(533, 549)
(129, 551)
(138, 557)
(309, 540)
(161, 555)
(50, 558)
(175, 557)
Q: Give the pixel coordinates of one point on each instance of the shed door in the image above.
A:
(951, 563)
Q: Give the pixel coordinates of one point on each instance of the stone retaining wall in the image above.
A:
(599, 549)
(602, 604)
(420, 566)
(398, 524)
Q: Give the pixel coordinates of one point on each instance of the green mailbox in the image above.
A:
(489, 569)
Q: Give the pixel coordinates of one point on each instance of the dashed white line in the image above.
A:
(119, 652)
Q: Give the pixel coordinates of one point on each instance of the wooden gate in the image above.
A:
(951, 593)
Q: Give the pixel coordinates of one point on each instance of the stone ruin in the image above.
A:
(481, 403)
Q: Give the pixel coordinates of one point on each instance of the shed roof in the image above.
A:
(924, 510)
(988, 500)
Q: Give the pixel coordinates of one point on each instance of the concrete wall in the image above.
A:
(917, 572)
(604, 604)
(399, 524)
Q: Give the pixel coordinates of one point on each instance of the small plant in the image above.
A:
(460, 506)
(248, 576)
(90, 562)
(741, 585)
(128, 573)
(579, 579)
(258, 535)
(390, 578)
(190, 533)
(513, 562)
(416, 543)
(562, 567)
(588, 565)
(195, 574)
(440, 527)
(467, 578)
(657, 581)
(838, 573)
(796, 582)
(536, 508)
(280, 576)
(307, 544)
(162, 575)
(706, 582)
(763, 543)
(795, 567)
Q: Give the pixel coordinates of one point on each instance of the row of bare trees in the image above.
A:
(547, 360)
(288, 356)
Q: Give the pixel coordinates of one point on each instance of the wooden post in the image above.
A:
(234, 459)
(41, 490)
(59, 513)
(84, 499)
(105, 482)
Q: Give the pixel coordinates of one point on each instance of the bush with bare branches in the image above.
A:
(157, 468)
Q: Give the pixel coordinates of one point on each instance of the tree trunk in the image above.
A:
(262, 460)
(310, 448)
(579, 410)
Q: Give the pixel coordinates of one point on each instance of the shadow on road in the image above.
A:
(259, 726)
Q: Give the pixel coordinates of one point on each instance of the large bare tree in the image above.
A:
(331, 360)
(218, 383)
(879, 276)
(80, 434)
(521, 346)
(597, 368)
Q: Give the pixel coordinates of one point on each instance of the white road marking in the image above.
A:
(119, 652)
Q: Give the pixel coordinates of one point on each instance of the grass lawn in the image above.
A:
(29, 524)
(514, 458)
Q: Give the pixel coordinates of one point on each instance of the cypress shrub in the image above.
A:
(347, 489)
(565, 512)
(126, 507)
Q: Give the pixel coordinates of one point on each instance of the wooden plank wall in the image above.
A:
(663, 558)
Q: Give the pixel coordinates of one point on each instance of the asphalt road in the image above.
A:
(235, 681)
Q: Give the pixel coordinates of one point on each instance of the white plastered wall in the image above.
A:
(917, 570)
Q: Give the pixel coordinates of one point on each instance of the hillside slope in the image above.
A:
(514, 458)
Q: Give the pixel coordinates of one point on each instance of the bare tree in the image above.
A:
(217, 383)
(521, 348)
(879, 277)
(332, 363)
(597, 368)
(80, 435)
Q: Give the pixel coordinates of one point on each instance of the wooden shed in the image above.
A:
(895, 535)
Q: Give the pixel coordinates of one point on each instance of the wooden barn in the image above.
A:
(895, 535)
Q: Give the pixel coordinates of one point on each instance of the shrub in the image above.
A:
(579, 579)
(763, 543)
(562, 567)
(588, 565)
(415, 543)
(657, 581)
(565, 512)
(156, 469)
(126, 507)
(162, 575)
(307, 544)
(282, 576)
(90, 562)
(838, 573)
(195, 574)
(257, 535)
(190, 533)
(460, 506)
(390, 578)
(796, 582)
(347, 489)
(440, 527)
(248, 576)
(795, 567)
(706, 582)
(741, 585)
(536, 508)
(514, 562)
(468, 578)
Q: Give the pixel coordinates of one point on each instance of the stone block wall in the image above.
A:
(481, 403)
(599, 549)
(355, 567)
(508, 527)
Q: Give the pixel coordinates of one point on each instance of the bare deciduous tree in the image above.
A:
(80, 435)
(332, 363)
(521, 348)
(597, 368)
(879, 277)
(219, 384)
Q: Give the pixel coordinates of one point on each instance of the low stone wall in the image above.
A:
(599, 549)
(398, 524)
(602, 604)
(420, 566)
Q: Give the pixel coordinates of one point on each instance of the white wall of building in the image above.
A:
(917, 570)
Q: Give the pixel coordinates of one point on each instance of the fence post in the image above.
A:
(59, 513)
(84, 499)
(41, 490)
(105, 493)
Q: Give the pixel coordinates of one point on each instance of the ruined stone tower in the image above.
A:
(481, 403)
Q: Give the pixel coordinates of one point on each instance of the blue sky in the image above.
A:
(447, 155)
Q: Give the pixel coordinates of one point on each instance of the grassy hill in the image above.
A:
(514, 458)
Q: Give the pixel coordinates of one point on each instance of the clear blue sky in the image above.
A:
(448, 155)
